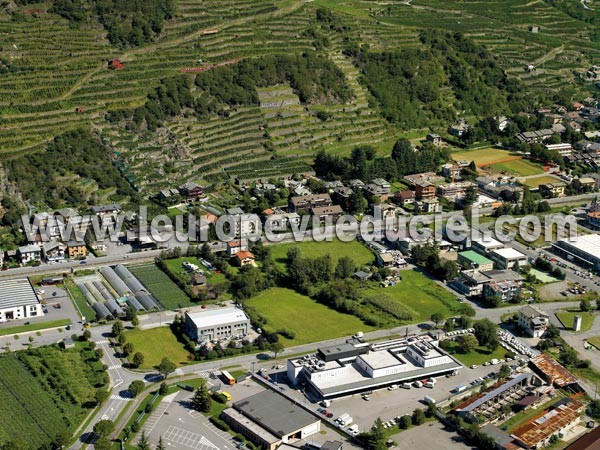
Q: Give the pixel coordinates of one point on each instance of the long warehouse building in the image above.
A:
(582, 250)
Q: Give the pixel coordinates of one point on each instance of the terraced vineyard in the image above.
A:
(57, 78)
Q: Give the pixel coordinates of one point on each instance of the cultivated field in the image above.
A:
(336, 248)
(157, 343)
(161, 286)
(311, 321)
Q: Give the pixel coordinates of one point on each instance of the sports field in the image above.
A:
(156, 344)
(336, 248)
(311, 321)
(519, 167)
(535, 182)
(485, 156)
(161, 286)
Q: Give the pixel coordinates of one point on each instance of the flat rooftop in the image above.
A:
(275, 413)
(475, 257)
(488, 242)
(250, 425)
(217, 316)
(381, 360)
(15, 293)
(587, 243)
(509, 253)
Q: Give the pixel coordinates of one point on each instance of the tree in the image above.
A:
(87, 334)
(165, 367)
(437, 318)
(584, 305)
(160, 445)
(117, 328)
(468, 343)
(143, 443)
(405, 422)
(103, 428)
(277, 347)
(345, 267)
(121, 339)
(128, 348)
(418, 416)
(552, 332)
(136, 387)
(163, 389)
(201, 400)
(504, 371)
(375, 438)
(102, 444)
(449, 325)
(485, 331)
(134, 320)
(594, 409)
(138, 359)
(100, 395)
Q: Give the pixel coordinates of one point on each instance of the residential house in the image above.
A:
(424, 190)
(199, 283)
(244, 258)
(454, 191)
(325, 212)
(378, 188)
(584, 184)
(30, 253)
(103, 211)
(356, 184)
(404, 198)
(235, 246)
(304, 203)
(471, 282)
(54, 251)
(459, 129)
(533, 321)
(342, 196)
(167, 194)
(191, 190)
(115, 64)
(281, 222)
(502, 291)
(451, 171)
(556, 189)
(430, 177)
(435, 139)
(428, 205)
(593, 219)
(76, 249)
(387, 211)
(245, 224)
(537, 136)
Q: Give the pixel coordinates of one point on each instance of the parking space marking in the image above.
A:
(188, 439)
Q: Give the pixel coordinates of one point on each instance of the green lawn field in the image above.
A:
(35, 326)
(156, 344)
(566, 318)
(176, 266)
(336, 248)
(519, 167)
(161, 286)
(310, 320)
(477, 356)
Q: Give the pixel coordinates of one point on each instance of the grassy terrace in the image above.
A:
(35, 327)
(312, 321)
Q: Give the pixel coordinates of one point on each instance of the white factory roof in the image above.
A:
(218, 316)
(509, 253)
(380, 360)
(589, 243)
(15, 293)
(488, 242)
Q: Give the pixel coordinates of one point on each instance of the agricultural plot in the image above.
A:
(485, 156)
(46, 392)
(311, 321)
(161, 286)
(156, 344)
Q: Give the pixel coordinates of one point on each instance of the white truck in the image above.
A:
(342, 418)
(460, 388)
(353, 430)
(347, 421)
(326, 403)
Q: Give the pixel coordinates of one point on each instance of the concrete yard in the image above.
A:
(431, 435)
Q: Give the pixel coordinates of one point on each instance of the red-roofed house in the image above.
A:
(244, 258)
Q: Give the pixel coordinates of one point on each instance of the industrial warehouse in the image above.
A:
(582, 250)
(18, 300)
(357, 367)
(268, 420)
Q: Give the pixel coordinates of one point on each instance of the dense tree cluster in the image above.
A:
(75, 153)
(427, 256)
(127, 22)
(411, 85)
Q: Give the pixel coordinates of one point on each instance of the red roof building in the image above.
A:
(115, 64)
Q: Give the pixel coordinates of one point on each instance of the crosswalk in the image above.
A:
(118, 397)
(115, 367)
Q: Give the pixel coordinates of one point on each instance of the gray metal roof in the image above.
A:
(15, 293)
(496, 392)
(275, 413)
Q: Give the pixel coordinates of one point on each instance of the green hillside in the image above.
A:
(56, 77)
